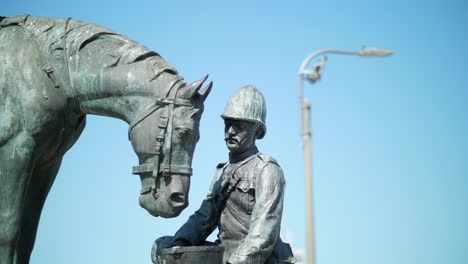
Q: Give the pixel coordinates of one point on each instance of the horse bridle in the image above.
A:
(165, 125)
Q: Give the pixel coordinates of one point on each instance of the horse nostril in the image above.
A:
(177, 199)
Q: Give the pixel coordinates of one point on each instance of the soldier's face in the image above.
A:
(239, 135)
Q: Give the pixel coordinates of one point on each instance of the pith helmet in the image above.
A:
(247, 104)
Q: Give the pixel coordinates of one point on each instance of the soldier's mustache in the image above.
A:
(231, 138)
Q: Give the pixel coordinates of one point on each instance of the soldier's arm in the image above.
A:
(192, 233)
(198, 227)
(204, 221)
(265, 223)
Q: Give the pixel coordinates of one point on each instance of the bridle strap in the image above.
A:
(154, 107)
(166, 166)
(147, 112)
(165, 125)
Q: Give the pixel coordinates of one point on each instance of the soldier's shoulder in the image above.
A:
(221, 165)
(269, 167)
(265, 158)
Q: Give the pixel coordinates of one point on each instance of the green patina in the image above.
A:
(53, 72)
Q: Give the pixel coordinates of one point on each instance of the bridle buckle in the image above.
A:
(166, 172)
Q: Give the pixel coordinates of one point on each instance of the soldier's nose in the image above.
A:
(231, 131)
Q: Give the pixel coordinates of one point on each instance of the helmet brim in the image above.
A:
(262, 125)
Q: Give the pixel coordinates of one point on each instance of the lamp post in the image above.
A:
(313, 75)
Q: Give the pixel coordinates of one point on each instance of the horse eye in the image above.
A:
(182, 131)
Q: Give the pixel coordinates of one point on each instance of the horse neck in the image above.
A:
(122, 91)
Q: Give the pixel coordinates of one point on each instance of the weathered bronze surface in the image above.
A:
(53, 72)
(245, 199)
(192, 255)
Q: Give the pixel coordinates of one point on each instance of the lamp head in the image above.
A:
(374, 52)
(315, 73)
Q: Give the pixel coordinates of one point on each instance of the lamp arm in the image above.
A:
(317, 53)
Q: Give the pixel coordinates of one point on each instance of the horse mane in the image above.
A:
(55, 35)
(81, 34)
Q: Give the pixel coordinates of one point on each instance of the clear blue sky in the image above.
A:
(389, 133)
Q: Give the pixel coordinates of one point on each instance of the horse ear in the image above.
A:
(206, 91)
(191, 89)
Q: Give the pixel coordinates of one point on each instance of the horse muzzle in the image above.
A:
(166, 208)
(165, 196)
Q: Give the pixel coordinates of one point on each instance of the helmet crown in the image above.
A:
(247, 104)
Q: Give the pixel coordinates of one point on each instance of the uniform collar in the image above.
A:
(234, 158)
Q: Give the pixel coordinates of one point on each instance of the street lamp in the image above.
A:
(313, 75)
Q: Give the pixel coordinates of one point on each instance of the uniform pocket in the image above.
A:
(246, 195)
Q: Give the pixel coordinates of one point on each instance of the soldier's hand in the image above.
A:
(158, 245)
(166, 242)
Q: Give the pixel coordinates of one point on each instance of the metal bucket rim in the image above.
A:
(177, 250)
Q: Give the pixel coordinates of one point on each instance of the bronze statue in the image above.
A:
(245, 199)
(53, 72)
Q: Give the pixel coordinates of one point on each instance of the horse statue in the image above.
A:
(53, 72)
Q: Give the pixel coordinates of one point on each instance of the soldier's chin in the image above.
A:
(232, 145)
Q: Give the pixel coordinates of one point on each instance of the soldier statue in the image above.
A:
(245, 199)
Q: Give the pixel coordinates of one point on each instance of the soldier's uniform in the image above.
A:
(249, 222)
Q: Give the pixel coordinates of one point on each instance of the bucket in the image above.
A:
(192, 255)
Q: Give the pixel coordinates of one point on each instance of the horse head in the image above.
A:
(164, 136)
